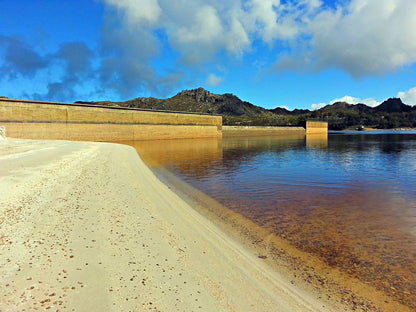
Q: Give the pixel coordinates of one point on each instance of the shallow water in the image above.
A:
(349, 199)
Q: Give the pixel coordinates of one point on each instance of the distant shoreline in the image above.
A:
(374, 129)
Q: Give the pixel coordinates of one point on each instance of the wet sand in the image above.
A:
(88, 227)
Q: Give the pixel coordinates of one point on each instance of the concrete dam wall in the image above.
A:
(317, 127)
(253, 131)
(78, 122)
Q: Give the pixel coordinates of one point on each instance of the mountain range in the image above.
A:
(392, 113)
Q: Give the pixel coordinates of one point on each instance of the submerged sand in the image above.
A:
(88, 227)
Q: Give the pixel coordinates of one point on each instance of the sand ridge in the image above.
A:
(88, 227)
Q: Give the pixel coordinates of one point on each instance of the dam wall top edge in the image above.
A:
(104, 106)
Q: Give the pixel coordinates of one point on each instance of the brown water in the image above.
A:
(349, 200)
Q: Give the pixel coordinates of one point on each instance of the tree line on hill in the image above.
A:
(392, 113)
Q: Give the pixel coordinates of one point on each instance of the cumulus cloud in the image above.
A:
(199, 40)
(408, 97)
(200, 29)
(363, 38)
(196, 30)
(283, 106)
(19, 58)
(372, 102)
(360, 37)
(75, 59)
(214, 80)
(143, 11)
(125, 57)
(66, 69)
(318, 106)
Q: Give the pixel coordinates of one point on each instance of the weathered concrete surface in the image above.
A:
(60, 121)
(316, 127)
(238, 131)
(107, 132)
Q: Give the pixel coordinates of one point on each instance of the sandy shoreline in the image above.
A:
(87, 226)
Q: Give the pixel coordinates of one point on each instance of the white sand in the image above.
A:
(88, 227)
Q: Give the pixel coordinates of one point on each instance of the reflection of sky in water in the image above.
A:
(342, 164)
(387, 160)
(266, 172)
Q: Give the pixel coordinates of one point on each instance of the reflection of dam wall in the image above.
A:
(195, 152)
(46, 120)
(317, 140)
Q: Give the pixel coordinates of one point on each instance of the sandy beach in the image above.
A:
(88, 227)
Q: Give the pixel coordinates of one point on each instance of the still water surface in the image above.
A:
(350, 199)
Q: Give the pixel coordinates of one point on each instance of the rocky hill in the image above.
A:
(201, 101)
(393, 105)
(392, 113)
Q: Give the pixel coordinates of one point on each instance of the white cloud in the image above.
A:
(318, 106)
(361, 37)
(283, 106)
(147, 11)
(408, 97)
(214, 80)
(372, 102)
(264, 17)
(201, 38)
(367, 37)
(200, 29)
(207, 27)
(238, 40)
(126, 54)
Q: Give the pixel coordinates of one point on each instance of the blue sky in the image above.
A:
(292, 53)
